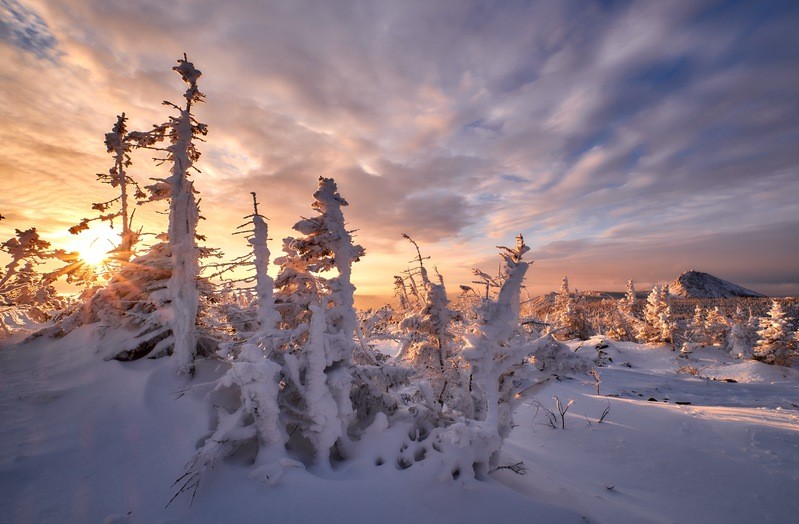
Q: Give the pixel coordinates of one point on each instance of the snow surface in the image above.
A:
(84, 440)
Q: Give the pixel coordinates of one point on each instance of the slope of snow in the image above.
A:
(695, 284)
(84, 440)
(729, 452)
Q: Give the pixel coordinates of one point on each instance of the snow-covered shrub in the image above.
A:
(377, 323)
(555, 359)
(254, 381)
(428, 345)
(134, 300)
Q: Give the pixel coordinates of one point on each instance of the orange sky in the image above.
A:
(616, 155)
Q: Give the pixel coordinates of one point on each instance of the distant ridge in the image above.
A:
(695, 284)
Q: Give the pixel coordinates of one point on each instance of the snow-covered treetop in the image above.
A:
(187, 71)
(513, 256)
(114, 141)
(328, 243)
(504, 313)
(190, 75)
(629, 297)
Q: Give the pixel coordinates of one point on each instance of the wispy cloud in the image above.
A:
(25, 29)
(592, 127)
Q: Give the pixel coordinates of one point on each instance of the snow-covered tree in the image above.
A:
(401, 292)
(460, 417)
(182, 131)
(563, 297)
(657, 325)
(717, 327)
(628, 302)
(330, 244)
(294, 375)
(24, 246)
(615, 323)
(495, 351)
(23, 284)
(268, 317)
(737, 343)
(776, 344)
(571, 319)
(120, 143)
(319, 316)
(695, 335)
(156, 295)
(622, 319)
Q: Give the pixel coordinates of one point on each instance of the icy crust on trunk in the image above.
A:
(183, 217)
(268, 317)
(325, 426)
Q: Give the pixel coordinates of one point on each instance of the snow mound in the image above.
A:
(752, 372)
(16, 322)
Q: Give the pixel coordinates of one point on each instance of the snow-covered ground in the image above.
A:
(83, 440)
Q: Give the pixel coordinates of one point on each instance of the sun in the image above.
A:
(93, 245)
(93, 254)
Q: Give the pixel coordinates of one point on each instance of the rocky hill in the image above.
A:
(695, 284)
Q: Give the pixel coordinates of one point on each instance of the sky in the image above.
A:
(624, 140)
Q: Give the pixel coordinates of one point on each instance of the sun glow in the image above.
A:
(93, 245)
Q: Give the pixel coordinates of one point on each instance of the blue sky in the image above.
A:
(624, 139)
